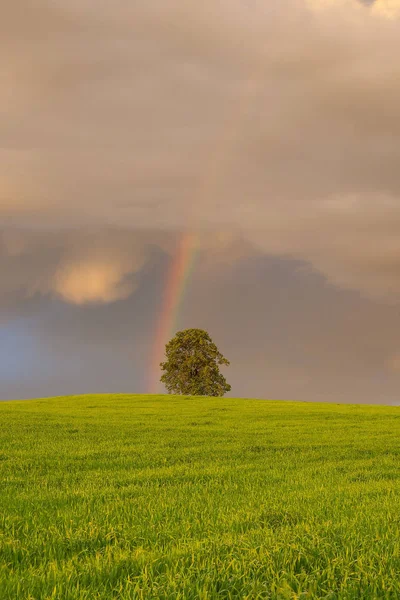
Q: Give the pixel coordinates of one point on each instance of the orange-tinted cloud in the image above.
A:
(92, 280)
(261, 119)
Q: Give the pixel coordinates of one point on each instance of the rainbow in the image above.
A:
(220, 163)
(177, 280)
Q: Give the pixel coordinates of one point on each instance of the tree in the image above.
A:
(192, 365)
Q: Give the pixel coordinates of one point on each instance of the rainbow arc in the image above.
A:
(177, 278)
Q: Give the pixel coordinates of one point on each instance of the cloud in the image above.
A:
(353, 240)
(275, 122)
(99, 266)
(287, 334)
(93, 280)
(78, 267)
(393, 363)
(385, 8)
(382, 8)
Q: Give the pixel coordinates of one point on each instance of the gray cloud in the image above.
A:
(288, 335)
(79, 267)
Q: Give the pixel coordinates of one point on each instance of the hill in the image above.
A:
(169, 497)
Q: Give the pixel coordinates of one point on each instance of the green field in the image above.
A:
(165, 497)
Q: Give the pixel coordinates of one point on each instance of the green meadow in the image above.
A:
(122, 496)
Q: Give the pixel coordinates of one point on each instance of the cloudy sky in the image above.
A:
(267, 130)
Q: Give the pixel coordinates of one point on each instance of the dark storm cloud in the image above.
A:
(288, 335)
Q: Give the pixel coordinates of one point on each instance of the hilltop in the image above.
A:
(128, 496)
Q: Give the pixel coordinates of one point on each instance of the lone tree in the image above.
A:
(192, 365)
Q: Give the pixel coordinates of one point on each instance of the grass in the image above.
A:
(135, 497)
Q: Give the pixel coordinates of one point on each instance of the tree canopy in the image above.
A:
(192, 365)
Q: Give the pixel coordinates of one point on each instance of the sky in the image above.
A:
(230, 165)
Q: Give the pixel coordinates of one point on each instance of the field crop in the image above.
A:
(106, 497)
